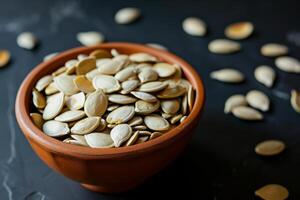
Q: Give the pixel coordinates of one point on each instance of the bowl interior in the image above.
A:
(32, 132)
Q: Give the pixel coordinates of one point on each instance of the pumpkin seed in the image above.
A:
(100, 53)
(144, 96)
(227, 75)
(38, 99)
(247, 113)
(120, 133)
(83, 84)
(183, 118)
(128, 86)
(65, 84)
(99, 140)
(166, 115)
(81, 57)
(157, 46)
(191, 98)
(110, 66)
(133, 138)
(176, 118)
(156, 123)
(59, 71)
(27, 40)
(71, 63)
(258, 100)
(269, 147)
(170, 106)
(121, 99)
(184, 104)
(141, 139)
(144, 133)
(147, 75)
(164, 69)
(114, 52)
(234, 101)
(137, 120)
(54, 107)
(71, 115)
(102, 125)
(155, 135)
(120, 115)
(96, 104)
(295, 100)
(86, 125)
(55, 129)
(91, 74)
(239, 30)
(127, 15)
(107, 83)
(37, 119)
(78, 140)
(272, 192)
(51, 89)
(43, 82)
(90, 38)
(223, 46)
(4, 58)
(124, 74)
(140, 128)
(274, 50)
(85, 65)
(265, 75)
(145, 108)
(76, 101)
(142, 57)
(288, 64)
(112, 107)
(154, 86)
(194, 26)
(172, 91)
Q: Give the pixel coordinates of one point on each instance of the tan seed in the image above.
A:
(95, 104)
(86, 125)
(145, 108)
(223, 46)
(247, 113)
(155, 135)
(38, 99)
(156, 123)
(55, 129)
(234, 101)
(239, 30)
(37, 119)
(176, 118)
(227, 75)
(51, 89)
(85, 65)
(269, 147)
(99, 140)
(295, 100)
(100, 53)
(274, 50)
(59, 71)
(120, 133)
(172, 91)
(184, 104)
(4, 57)
(272, 192)
(170, 106)
(83, 84)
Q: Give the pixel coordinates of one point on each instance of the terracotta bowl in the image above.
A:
(110, 170)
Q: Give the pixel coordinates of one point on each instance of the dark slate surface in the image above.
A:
(220, 162)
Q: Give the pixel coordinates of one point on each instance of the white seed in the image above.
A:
(112, 107)
(265, 75)
(76, 101)
(157, 46)
(96, 104)
(120, 115)
(121, 99)
(144, 107)
(164, 69)
(55, 129)
(147, 75)
(107, 83)
(274, 50)
(154, 86)
(86, 125)
(227, 75)
(51, 89)
(128, 86)
(137, 120)
(247, 113)
(258, 99)
(133, 138)
(111, 66)
(144, 96)
(120, 134)
(71, 63)
(65, 84)
(80, 140)
(295, 100)
(269, 147)
(90, 38)
(27, 40)
(183, 118)
(239, 30)
(43, 82)
(92, 74)
(127, 15)
(99, 140)
(81, 57)
(288, 64)
(50, 56)
(142, 57)
(223, 46)
(172, 91)
(114, 52)
(124, 74)
(234, 101)
(170, 106)
(176, 118)
(194, 26)
(156, 123)
(272, 192)
(54, 107)
(71, 115)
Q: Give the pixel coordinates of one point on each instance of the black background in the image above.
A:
(220, 162)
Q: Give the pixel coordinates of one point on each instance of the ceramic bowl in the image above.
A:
(109, 170)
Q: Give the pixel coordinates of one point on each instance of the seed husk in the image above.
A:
(27, 40)
(265, 75)
(194, 26)
(127, 15)
(247, 113)
(120, 133)
(51, 89)
(269, 147)
(176, 118)
(43, 82)
(137, 120)
(145, 108)
(99, 140)
(121, 99)
(120, 115)
(37, 119)
(144, 96)
(239, 30)
(227, 75)
(234, 101)
(258, 99)
(142, 57)
(54, 107)
(274, 50)
(107, 83)
(83, 84)
(170, 106)
(65, 84)
(90, 38)
(288, 64)
(156, 123)
(55, 129)
(172, 91)
(85, 65)
(100, 53)
(96, 104)
(154, 86)
(155, 135)
(124, 74)
(86, 125)
(164, 69)
(295, 100)
(147, 75)
(133, 138)
(38, 99)
(76, 101)
(272, 192)
(128, 86)
(71, 115)
(223, 46)
(4, 57)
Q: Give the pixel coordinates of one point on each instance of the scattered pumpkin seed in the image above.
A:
(194, 26)
(258, 99)
(223, 46)
(234, 101)
(4, 57)
(90, 38)
(227, 75)
(27, 40)
(272, 192)
(295, 100)
(127, 15)
(288, 64)
(269, 147)
(239, 30)
(265, 75)
(247, 113)
(274, 50)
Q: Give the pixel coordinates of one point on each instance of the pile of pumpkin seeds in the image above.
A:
(107, 99)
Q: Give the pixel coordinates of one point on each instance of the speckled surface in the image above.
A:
(220, 162)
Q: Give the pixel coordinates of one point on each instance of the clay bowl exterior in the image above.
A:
(109, 170)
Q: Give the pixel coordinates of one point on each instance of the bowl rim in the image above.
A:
(57, 146)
